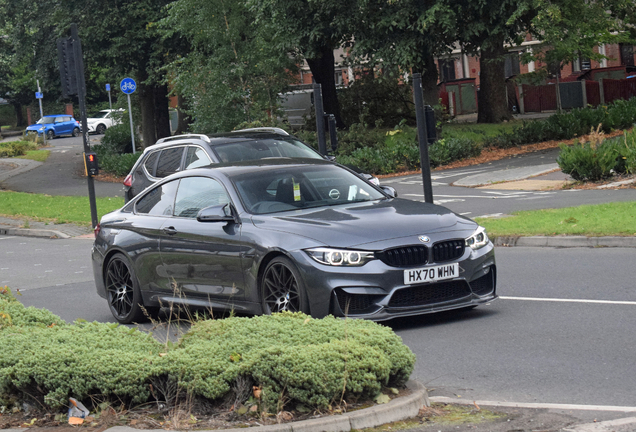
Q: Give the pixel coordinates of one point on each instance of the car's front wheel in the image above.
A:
(76, 132)
(50, 134)
(100, 129)
(282, 288)
(122, 289)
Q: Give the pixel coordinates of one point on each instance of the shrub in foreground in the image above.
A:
(292, 357)
(594, 161)
(16, 148)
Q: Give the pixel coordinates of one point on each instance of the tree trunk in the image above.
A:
(147, 105)
(323, 70)
(19, 118)
(429, 78)
(493, 104)
(162, 112)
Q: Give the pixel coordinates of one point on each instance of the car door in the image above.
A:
(58, 125)
(203, 259)
(150, 214)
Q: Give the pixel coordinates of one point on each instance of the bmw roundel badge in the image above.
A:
(424, 239)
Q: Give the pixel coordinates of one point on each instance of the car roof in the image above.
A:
(57, 115)
(217, 139)
(233, 168)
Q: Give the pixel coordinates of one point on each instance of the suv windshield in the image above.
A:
(46, 120)
(297, 187)
(264, 148)
(101, 114)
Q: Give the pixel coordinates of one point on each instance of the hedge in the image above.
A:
(294, 358)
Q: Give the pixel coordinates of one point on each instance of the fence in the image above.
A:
(574, 94)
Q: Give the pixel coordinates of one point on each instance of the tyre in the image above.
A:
(76, 132)
(282, 288)
(50, 134)
(122, 291)
(100, 129)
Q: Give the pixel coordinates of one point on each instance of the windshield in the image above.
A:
(296, 187)
(46, 120)
(100, 114)
(265, 148)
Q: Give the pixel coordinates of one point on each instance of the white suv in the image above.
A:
(103, 120)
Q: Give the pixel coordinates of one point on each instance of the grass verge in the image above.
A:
(57, 209)
(36, 155)
(615, 219)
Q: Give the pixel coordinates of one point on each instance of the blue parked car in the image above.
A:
(55, 125)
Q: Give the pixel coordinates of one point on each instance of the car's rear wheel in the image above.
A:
(282, 288)
(50, 135)
(76, 132)
(122, 289)
(100, 129)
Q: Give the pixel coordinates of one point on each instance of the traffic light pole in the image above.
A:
(422, 137)
(81, 95)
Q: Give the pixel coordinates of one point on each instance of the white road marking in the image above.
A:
(465, 213)
(535, 405)
(558, 300)
(5, 238)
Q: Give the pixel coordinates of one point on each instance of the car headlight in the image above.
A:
(478, 240)
(340, 257)
(42, 128)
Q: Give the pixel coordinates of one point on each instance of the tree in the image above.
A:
(571, 29)
(310, 30)
(233, 72)
(485, 28)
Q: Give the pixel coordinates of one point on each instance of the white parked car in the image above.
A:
(103, 120)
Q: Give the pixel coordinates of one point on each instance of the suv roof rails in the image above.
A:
(275, 130)
(177, 137)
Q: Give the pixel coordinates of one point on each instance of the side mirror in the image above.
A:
(389, 191)
(217, 213)
(330, 158)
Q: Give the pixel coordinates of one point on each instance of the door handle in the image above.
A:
(169, 230)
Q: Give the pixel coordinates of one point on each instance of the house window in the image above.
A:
(627, 54)
(338, 77)
(446, 69)
(581, 64)
(511, 65)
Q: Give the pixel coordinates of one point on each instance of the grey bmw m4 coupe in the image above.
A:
(288, 235)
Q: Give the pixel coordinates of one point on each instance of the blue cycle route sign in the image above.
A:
(128, 85)
(108, 87)
(38, 95)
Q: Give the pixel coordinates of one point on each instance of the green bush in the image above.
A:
(621, 114)
(588, 162)
(115, 163)
(294, 358)
(448, 150)
(16, 148)
(118, 139)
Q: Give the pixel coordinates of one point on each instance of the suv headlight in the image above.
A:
(340, 257)
(478, 240)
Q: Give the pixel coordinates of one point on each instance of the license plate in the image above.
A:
(431, 274)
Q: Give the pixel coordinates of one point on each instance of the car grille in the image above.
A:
(354, 303)
(420, 295)
(405, 256)
(448, 250)
(485, 284)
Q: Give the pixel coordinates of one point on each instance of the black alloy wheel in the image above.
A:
(50, 134)
(76, 132)
(281, 288)
(124, 298)
(100, 129)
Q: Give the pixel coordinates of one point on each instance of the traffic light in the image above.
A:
(66, 60)
(91, 165)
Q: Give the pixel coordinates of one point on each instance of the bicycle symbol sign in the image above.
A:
(128, 85)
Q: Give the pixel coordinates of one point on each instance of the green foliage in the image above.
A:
(589, 162)
(233, 72)
(16, 148)
(618, 115)
(117, 138)
(118, 164)
(384, 100)
(448, 150)
(294, 358)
